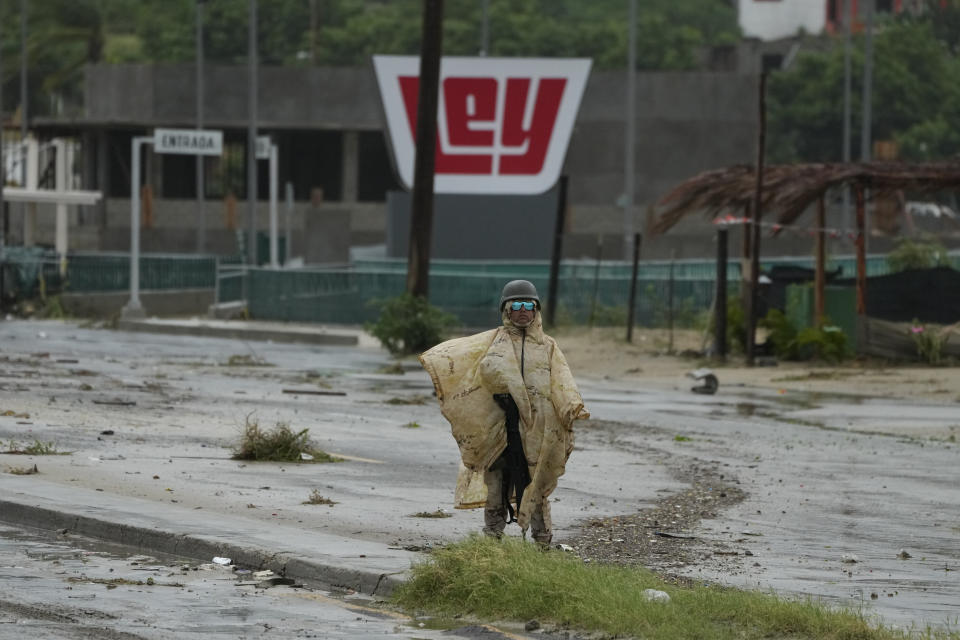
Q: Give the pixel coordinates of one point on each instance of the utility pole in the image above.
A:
(866, 124)
(201, 191)
(3, 180)
(630, 122)
(485, 29)
(755, 222)
(252, 137)
(24, 109)
(847, 73)
(421, 216)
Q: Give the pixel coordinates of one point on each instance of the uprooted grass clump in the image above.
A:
(23, 471)
(512, 579)
(439, 513)
(280, 444)
(317, 498)
(36, 449)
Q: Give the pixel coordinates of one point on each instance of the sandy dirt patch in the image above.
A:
(604, 353)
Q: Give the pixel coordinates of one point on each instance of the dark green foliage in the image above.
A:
(826, 343)
(916, 92)
(410, 324)
(924, 253)
(66, 34)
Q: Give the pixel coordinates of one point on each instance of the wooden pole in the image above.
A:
(755, 226)
(861, 255)
(633, 286)
(720, 306)
(820, 278)
(552, 301)
(421, 218)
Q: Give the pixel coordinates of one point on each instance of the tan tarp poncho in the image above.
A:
(466, 372)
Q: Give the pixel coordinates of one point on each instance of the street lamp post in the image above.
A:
(201, 191)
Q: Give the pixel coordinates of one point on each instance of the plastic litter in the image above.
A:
(653, 595)
(305, 456)
(221, 561)
(708, 381)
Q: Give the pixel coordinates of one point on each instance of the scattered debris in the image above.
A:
(314, 392)
(439, 513)
(418, 399)
(266, 573)
(849, 558)
(654, 595)
(278, 445)
(708, 381)
(904, 555)
(395, 369)
(107, 432)
(23, 471)
(532, 625)
(116, 402)
(36, 449)
(316, 498)
(273, 582)
(221, 561)
(246, 360)
(679, 536)
(14, 414)
(565, 547)
(411, 425)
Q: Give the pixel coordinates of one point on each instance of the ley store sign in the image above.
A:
(503, 124)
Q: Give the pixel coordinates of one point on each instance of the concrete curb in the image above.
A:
(285, 335)
(200, 547)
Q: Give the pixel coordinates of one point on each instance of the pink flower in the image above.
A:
(916, 329)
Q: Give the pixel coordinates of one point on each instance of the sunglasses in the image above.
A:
(517, 305)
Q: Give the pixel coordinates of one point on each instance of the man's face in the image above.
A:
(523, 316)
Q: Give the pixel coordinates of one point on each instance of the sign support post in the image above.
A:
(179, 141)
(133, 308)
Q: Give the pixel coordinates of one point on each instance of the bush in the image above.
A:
(929, 343)
(410, 324)
(827, 342)
(736, 325)
(925, 253)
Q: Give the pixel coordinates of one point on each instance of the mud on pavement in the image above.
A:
(662, 538)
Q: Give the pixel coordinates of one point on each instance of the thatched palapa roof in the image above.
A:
(789, 189)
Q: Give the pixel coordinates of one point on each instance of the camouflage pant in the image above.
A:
(495, 511)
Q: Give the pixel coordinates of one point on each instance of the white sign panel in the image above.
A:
(263, 147)
(503, 124)
(188, 141)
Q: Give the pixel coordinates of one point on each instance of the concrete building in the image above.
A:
(329, 127)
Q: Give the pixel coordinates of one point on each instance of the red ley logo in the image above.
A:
(503, 124)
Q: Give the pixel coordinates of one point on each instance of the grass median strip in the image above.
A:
(514, 580)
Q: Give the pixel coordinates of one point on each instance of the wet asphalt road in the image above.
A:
(827, 477)
(53, 587)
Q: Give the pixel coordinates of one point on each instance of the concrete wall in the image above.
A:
(156, 303)
(685, 123)
(288, 97)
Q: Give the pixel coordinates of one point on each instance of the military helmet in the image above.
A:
(519, 290)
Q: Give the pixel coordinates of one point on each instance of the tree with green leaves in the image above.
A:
(916, 93)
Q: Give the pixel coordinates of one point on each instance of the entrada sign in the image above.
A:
(503, 124)
(188, 141)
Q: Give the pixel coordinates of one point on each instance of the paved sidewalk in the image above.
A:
(154, 527)
(253, 330)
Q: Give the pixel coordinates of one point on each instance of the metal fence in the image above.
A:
(589, 291)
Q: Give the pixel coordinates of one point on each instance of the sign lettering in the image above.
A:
(188, 141)
(503, 125)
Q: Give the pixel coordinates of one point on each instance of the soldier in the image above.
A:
(511, 401)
